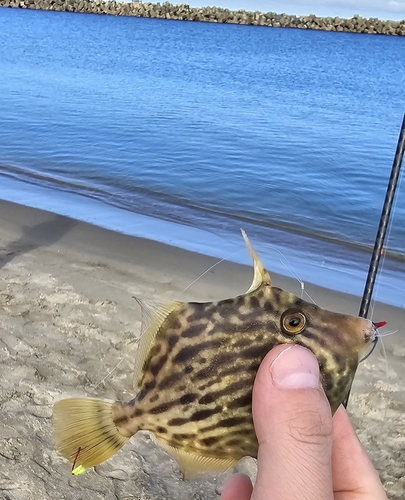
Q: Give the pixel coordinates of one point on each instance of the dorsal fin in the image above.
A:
(154, 314)
(260, 274)
(192, 465)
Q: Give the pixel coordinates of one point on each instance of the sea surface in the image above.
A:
(184, 132)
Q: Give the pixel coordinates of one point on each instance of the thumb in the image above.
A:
(293, 424)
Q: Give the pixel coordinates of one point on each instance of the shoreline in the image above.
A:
(13, 174)
(184, 12)
(69, 326)
(328, 265)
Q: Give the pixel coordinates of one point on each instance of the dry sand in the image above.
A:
(68, 319)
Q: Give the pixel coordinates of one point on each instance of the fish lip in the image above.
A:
(371, 337)
(372, 333)
(374, 341)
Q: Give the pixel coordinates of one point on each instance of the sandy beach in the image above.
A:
(69, 326)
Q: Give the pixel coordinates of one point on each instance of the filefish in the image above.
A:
(195, 368)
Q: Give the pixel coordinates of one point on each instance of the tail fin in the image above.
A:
(85, 432)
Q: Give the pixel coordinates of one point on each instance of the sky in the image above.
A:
(383, 9)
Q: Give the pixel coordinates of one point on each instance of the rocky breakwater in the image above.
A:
(184, 12)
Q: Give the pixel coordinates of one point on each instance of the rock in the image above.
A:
(184, 12)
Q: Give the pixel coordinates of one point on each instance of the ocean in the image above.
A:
(184, 132)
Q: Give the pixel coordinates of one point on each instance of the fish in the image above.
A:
(194, 372)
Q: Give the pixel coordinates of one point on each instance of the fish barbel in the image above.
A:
(195, 368)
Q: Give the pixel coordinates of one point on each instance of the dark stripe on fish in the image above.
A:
(231, 422)
(146, 390)
(254, 302)
(156, 367)
(189, 352)
(241, 401)
(256, 351)
(172, 340)
(218, 361)
(230, 389)
(182, 437)
(177, 422)
(199, 312)
(268, 307)
(211, 440)
(204, 414)
(170, 380)
(188, 398)
(194, 330)
(163, 407)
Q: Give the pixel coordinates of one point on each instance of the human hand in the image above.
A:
(303, 452)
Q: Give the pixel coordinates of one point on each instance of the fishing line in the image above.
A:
(376, 255)
(384, 220)
(387, 244)
(387, 377)
(301, 282)
(385, 358)
(232, 254)
(201, 275)
(111, 371)
(284, 261)
(287, 264)
(387, 334)
(125, 356)
(382, 229)
(384, 353)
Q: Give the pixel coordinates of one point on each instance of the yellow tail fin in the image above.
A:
(85, 432)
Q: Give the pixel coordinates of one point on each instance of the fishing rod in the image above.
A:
(382, 229)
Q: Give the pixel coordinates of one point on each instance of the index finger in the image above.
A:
(353, 472)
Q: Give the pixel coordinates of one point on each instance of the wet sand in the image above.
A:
(69, 326)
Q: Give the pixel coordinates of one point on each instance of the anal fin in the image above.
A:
(193, 465)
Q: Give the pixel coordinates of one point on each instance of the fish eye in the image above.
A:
(293, 322)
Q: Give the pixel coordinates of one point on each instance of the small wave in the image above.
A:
(180, 210)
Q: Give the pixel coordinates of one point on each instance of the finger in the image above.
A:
(293, 425)
(353, 472)
(238, 487)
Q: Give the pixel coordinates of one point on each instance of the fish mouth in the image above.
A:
(372, 332)
(372, 337)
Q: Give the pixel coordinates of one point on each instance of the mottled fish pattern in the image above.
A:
(195, 370)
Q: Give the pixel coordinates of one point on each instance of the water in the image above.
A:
(184, 132)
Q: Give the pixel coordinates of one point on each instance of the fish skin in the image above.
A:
(196, 388)
(196, 369)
